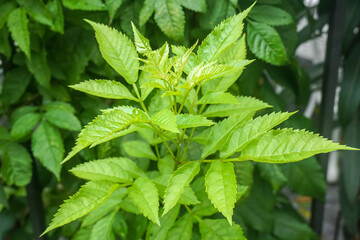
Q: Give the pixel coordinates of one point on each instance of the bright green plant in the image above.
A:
(183, 104)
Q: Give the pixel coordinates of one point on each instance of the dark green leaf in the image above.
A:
(273, 174)
(270, 15)
(36, 9)
(218, 229)
(55, 8)
(18, 26)
(182, 229)
(15, 84)
(63, 119)
(197, 6)
(24, 125)
(87, 5)
(6, 8)
(39, 68)
(113, 6)
(146, 11)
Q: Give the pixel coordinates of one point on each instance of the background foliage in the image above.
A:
(46, 46)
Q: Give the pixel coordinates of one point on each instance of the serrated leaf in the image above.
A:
(251, 130)
(63, 119)
(266, 43)
(236, 51)
(197, 6)
(182, 229)
(90, 196)
(139, 149)
(36, 9)
(118, 51)
(224, 35)
(220, 182)
(166, 120)
(146, 11)
(170, 18)
(270, 15)
(15, 83)
(93, 5)
(190, 120)
(217, 98)
(113, 6)
(47, 146)
(219, 229)
(16, 165)
(220, 132)
(142, 44)
(6, 8)
(104, 88)
(156, 232)
(180, 179)
(288, 145)
(106, 169)
(191, 60)
(145, 196)
(244, 104)
(18, 26)
(103, 228)
(38, 66)
(24, 125)
(110, 122)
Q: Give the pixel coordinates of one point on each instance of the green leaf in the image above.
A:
(273, 174)
(18, 26)
(190, 120)
(266, 43)
(93, 5)
(270, 15)
(37, 10)
(223, 36)
(166, 120)
(139, 149)
(57, 105)
(113, 6)
(3, 199)
(24, 125)
(114, 135)
(180, 179)
(236, 51)
(6, 8)
(288, 145)
(182, 229)
(166, 164)
(104, 88)
(145, 196)
(39, 67)
(106, 169)
(16, 165)
(220, 132)
(90, 196)
(5, 47)
(63, 119)
(142, 44)
(220, 182)
(197, 6)
(146, 11)
(251, 130)
(244, 104)
(306, 178)
(103, 228)
(217, 98)
(170, 18)
(156, 232)
(219, 229)
(15, 83)
(118, 51)
(56, 11)
(47, 146)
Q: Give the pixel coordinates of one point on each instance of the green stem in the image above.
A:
(139, 97)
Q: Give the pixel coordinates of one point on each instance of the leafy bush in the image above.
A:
(184, 104)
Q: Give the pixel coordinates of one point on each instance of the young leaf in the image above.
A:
(224, 35)
(90, 196)
(237, 51)
(288, 145)
(146, 11)
(180, 179)
(244, 104)
(18, 26)
(114, 135)
(219, 229)
(63, 119)
(190, 120)
(166, 120)
(105, 88)
(252, 130)
(142, 44)
(47, 146)
(118, 51)
(220, 182)
(145, 196)
(139, 149)
(220, 132)
(197, 6)
(170, 18)
(105, 169)
(217, 98)
(270, 15)
(16, 165)
(182, 229)
(266, 43)
(24, 125)
(103, 228)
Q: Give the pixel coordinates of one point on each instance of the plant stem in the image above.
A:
(139, 97)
